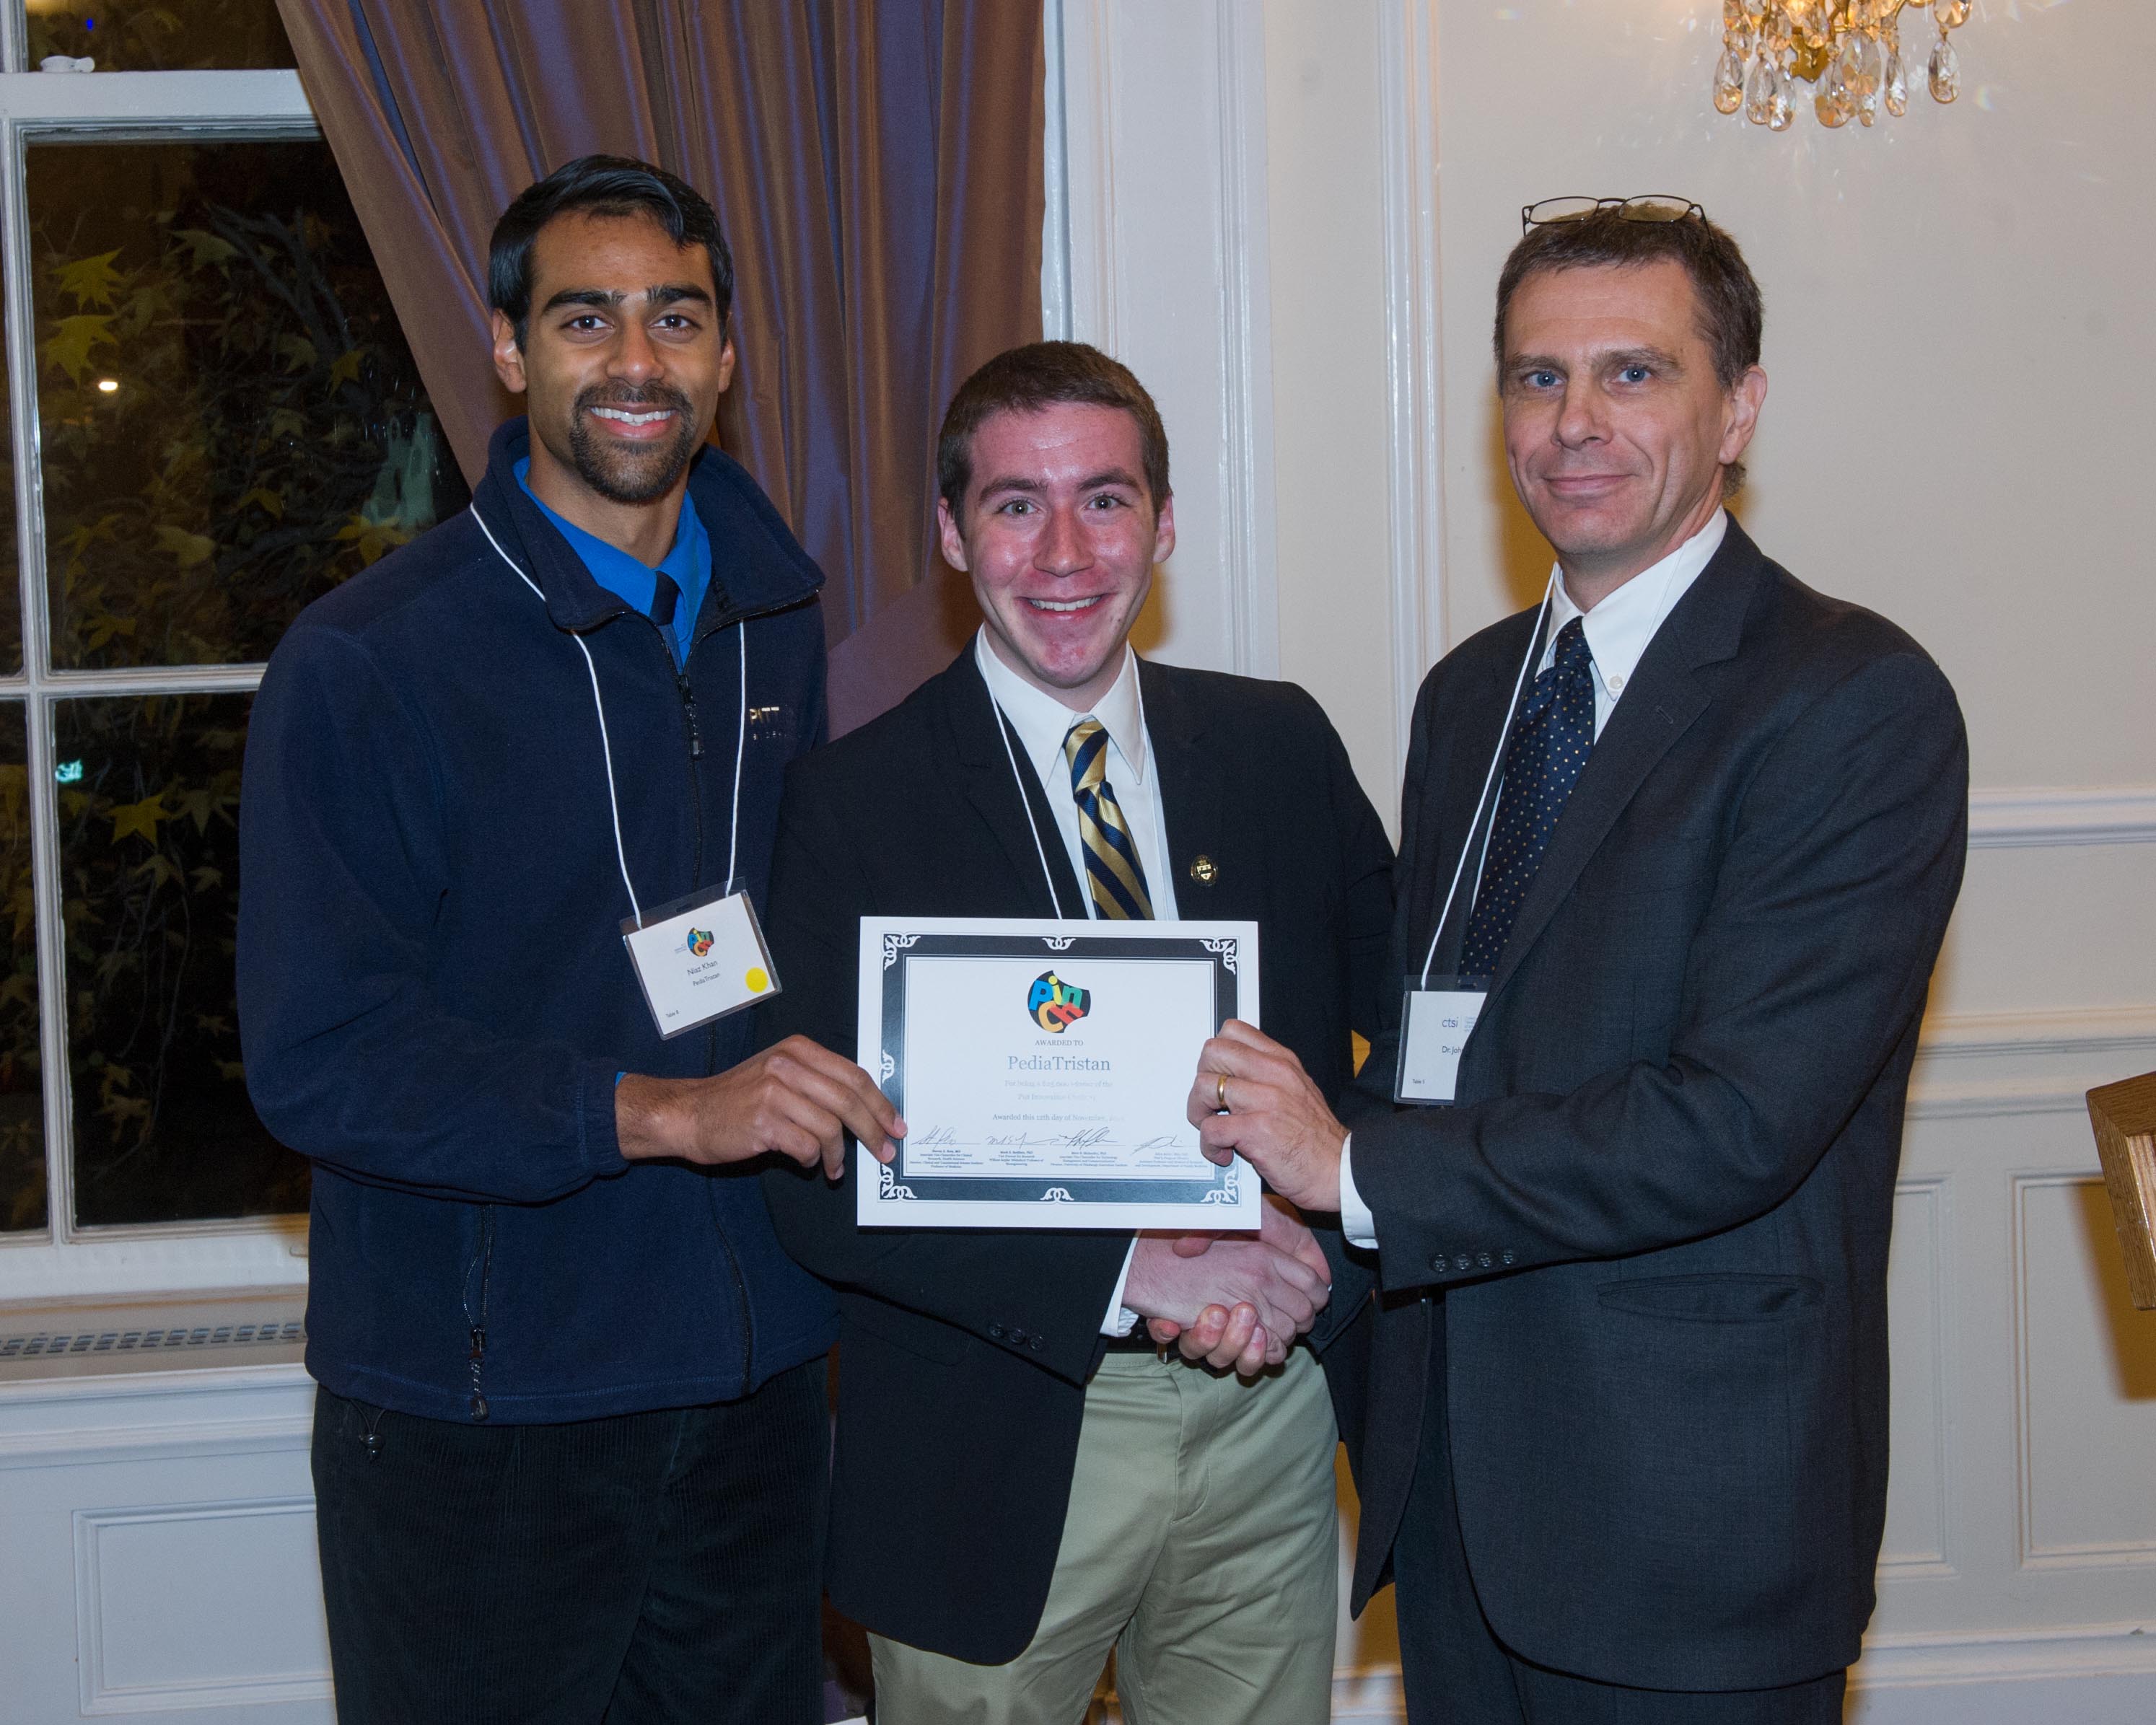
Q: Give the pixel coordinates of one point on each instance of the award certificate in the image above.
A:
(1044, 1070)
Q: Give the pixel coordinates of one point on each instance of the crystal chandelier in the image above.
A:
(1849, 51)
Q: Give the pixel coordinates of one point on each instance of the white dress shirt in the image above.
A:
(1041, 722)
(1618, 631)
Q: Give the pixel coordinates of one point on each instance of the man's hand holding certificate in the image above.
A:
(1252, 1101)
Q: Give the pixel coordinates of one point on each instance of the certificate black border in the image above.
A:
(1220, 953)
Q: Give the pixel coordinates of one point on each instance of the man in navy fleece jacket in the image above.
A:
(569, 1445)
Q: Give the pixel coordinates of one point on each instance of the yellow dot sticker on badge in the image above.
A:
(757, 980)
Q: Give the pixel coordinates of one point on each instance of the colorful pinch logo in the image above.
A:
(1055, 1005)
(699, 941)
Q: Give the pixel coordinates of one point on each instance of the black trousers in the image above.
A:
(1457, 1672)
(648, 1568)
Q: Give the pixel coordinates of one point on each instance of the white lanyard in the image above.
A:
(1436, 1023)
(1489, 778)
(1047, 874)
(606, 748)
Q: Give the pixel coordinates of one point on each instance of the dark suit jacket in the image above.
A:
(964, 1355)
(1656, 1226)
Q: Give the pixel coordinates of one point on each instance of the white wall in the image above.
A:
(1961, 330)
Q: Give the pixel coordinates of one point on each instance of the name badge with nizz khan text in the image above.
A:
(700, 958)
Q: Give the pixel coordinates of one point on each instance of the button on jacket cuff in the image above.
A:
(1438, 1232)
(1358, 1226)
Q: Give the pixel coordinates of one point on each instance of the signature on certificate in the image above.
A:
(1097, 1138)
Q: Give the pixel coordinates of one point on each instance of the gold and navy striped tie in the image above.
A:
(1112, 869)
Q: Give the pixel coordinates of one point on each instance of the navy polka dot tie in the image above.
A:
(1551, 738)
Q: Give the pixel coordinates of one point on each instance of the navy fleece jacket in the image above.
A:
(433, 996)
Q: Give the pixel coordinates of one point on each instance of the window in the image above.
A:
(212, 418)
(157, 35)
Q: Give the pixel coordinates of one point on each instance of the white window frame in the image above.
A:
(65, 1261)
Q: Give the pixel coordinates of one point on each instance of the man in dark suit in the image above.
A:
(1627, 1451)
(1016, 1490)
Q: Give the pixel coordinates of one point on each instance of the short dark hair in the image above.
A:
(1732, 313)
(601, 186)
(1025, 380)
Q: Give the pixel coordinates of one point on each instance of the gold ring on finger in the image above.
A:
(1221, 1092)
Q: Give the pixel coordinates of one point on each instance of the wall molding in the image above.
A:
(1055, 181)
(2103, 1649)
(2083, 1030)
(1085, 152)
(2010, 818)
(1250, 535)
(1989, 1103)
(155, 1415)
(158, 1443)
(1375, 1693)
(1938, 1561)
(1963, 1661)
(1407, 87)
(1108, 293)
(102, 1696)
(1981, 1066)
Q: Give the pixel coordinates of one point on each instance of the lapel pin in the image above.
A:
(1204, 872)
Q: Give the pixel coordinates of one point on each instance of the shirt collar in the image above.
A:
(688, 561)
(1042, 721)
(1619, 630)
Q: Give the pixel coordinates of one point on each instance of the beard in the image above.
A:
(632, 476)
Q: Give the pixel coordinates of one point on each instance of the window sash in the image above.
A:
(64, 1261)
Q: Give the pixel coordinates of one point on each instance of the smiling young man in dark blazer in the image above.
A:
(1016, 1490)
(1627, 1452)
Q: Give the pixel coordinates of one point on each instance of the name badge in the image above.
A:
(700, 958)
(1434, 1024)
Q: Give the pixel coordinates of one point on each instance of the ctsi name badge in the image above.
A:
(1434, 1025)
(700, 958)
(1045, 1072)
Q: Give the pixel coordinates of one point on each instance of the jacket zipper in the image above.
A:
(710, 1031)
(477, 1357)
(695, 746)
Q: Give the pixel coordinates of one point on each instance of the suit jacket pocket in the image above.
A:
(1719, 1299)
(928, 1337)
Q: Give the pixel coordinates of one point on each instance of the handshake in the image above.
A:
(1231, 1301)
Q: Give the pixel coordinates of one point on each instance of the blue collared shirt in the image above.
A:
(689, 563)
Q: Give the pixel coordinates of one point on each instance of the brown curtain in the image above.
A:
(877, 163)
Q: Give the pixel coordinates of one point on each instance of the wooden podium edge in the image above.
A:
(2124, 1117)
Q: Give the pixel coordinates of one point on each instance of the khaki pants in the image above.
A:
(1201, 1545)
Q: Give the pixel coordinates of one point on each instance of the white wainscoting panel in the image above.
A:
(152, 1633)
(2087, 1372)
(157, 1528)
